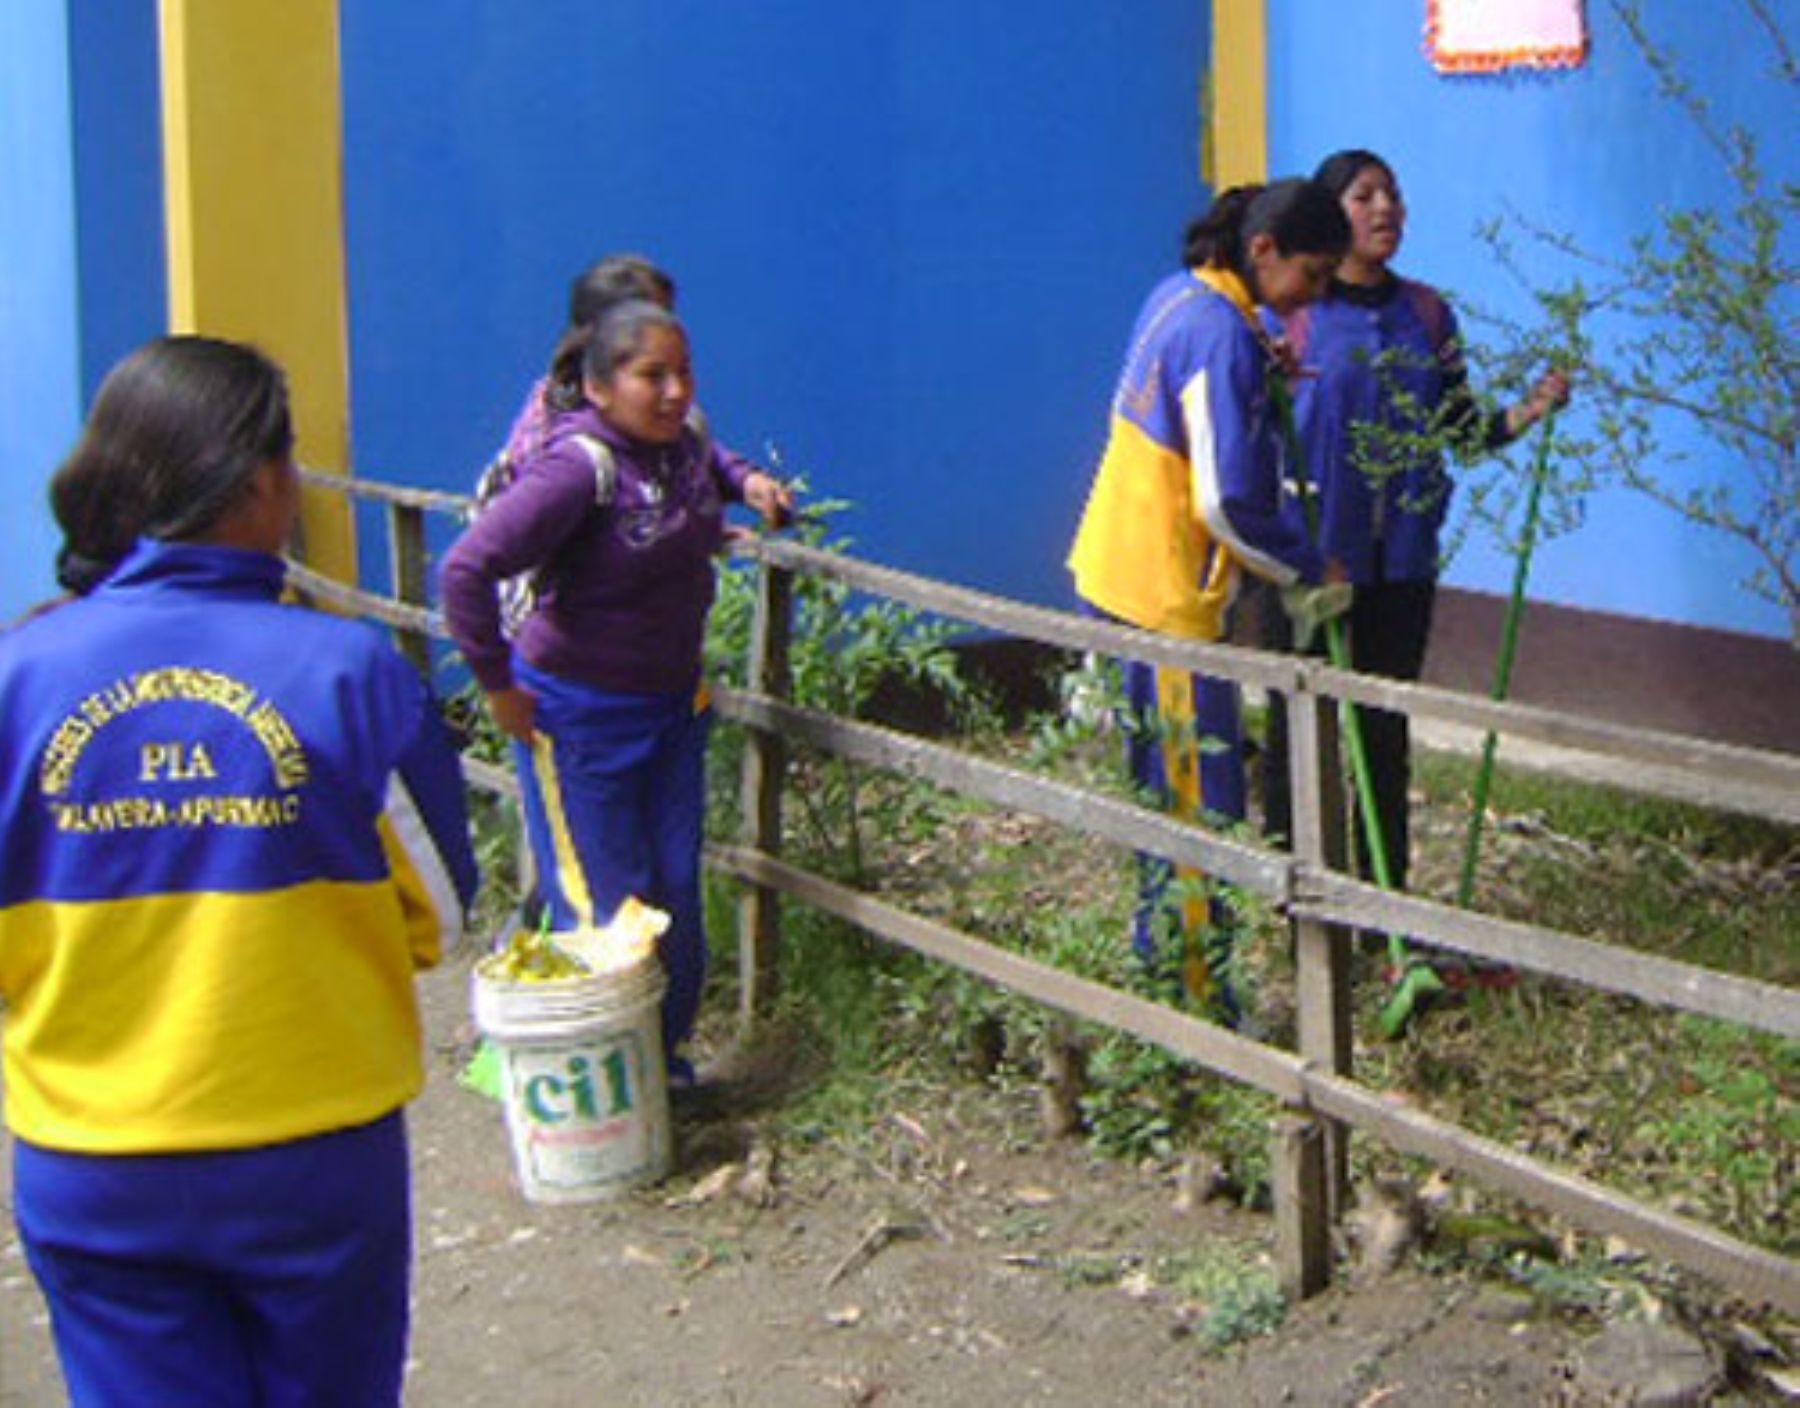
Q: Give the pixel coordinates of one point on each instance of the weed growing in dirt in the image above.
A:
(1710, 888)
(1693, 1114)
(1697, 1114)
(1233, 1290)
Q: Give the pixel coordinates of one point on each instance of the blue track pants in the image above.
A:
(615, 806)
(266, 1278)
(1185, 747)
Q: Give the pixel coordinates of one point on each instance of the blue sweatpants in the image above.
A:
(615, 806)
(1184, 744)
(275, 1277)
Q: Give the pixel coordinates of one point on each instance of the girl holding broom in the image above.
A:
(1188, 496)
(1384, 385)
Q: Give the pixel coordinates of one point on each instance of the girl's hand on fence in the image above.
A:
(514, 711)
(769, 497)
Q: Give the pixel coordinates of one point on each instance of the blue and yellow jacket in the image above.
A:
(1189, 488)
(230, 832)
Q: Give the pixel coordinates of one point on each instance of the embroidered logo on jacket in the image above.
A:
(173, 759)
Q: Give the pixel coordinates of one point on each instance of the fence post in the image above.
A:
(765, 764)
(406, 556)
(1302, 1193)
(1318, 1181)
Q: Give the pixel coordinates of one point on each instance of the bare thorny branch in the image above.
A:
(1695, 321)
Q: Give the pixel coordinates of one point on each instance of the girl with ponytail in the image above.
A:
(1187, 498)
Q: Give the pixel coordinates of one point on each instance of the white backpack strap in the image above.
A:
(702, 428)
(606, 469)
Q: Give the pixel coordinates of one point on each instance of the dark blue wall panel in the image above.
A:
(910, 238)
(118, 181)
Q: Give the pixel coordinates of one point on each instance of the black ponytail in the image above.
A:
(1217, 237)
(171, 446)
(562, 389)
(1301, 216)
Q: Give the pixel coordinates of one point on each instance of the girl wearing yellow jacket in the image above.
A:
(1188, 497)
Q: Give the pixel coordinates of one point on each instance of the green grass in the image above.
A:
(1711, 888)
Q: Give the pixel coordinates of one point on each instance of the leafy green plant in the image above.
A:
(1238, 1295)
(844, 650)
(493, 822)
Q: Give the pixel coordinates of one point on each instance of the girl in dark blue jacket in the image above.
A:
(1388, 385)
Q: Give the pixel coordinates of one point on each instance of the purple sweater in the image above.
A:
(624, 587)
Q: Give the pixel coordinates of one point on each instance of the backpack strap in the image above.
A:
(702, 428)
(496, 475)
(606, 468)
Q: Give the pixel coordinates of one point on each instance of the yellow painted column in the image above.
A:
(1238, 127)
(253, 175)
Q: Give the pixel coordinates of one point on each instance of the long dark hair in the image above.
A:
(1302, 217)
(616, 279)
(172, 443)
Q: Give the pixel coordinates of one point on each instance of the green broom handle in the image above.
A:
(1503, 668)
(1335, 644)
(1414, 982)
(1359, 763)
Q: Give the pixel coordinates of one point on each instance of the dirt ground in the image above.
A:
(953, 1258)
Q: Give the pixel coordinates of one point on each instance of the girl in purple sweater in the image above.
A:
(618, 515)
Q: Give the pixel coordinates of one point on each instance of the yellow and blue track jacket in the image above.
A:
(230, 832)
(1189, 488)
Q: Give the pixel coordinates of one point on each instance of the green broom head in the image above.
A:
(1416, 991)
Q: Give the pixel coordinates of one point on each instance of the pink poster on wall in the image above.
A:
(1484, 36)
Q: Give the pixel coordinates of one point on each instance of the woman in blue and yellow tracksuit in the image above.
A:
(230, 833)
(1188, 495)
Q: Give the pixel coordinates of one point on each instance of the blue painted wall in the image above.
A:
(1592, 151)
(81, 245)
(39, 348)
(910, 238)
(122, 264)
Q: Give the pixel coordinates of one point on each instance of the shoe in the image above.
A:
(1465, 975)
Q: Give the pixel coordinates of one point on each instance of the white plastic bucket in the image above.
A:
(582, 1079)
